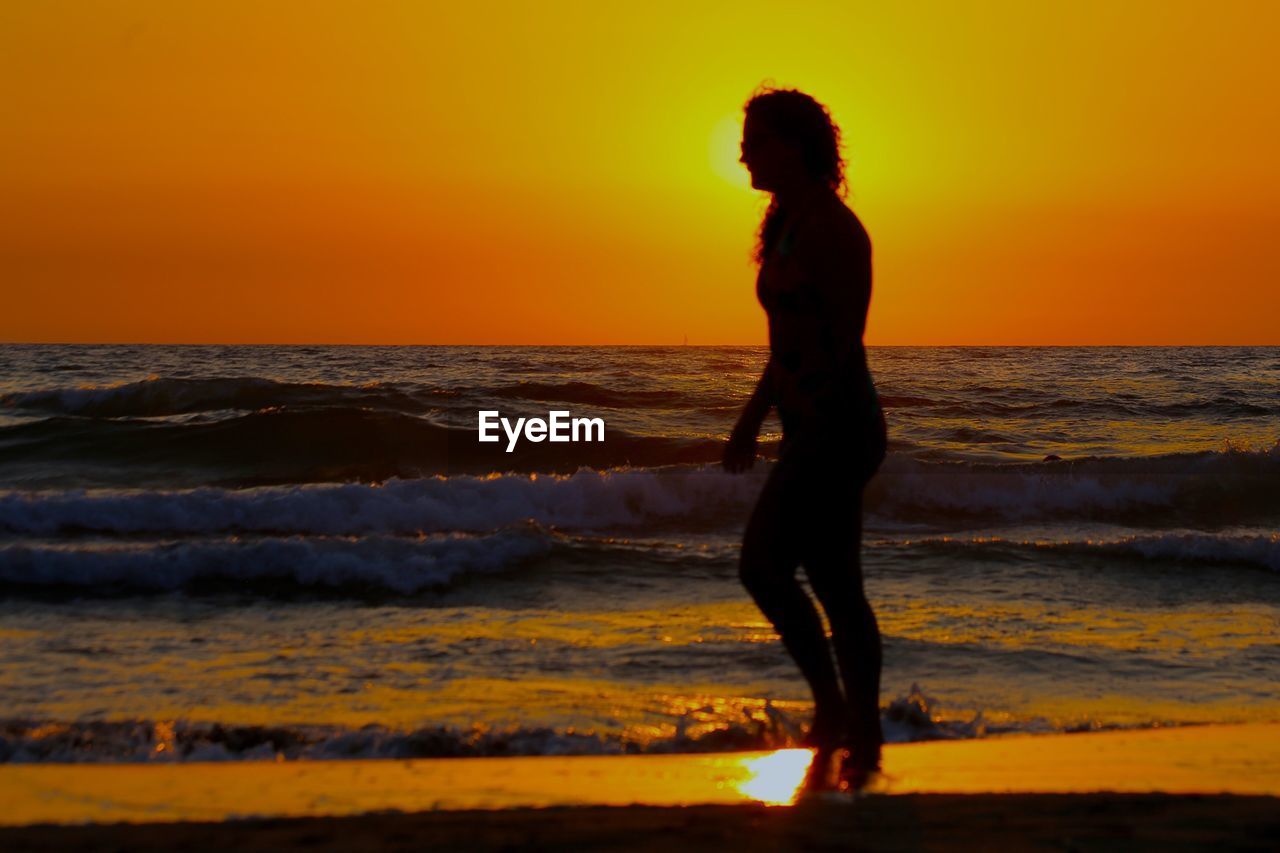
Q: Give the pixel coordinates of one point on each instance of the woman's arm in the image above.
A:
(740, 452)
(757, 408)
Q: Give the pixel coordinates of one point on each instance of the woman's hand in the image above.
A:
(740, 449)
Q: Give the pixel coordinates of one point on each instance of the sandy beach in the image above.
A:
(1180, 788)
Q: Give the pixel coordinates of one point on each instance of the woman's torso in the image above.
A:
(820, 381)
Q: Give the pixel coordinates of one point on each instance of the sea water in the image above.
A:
(305, 551)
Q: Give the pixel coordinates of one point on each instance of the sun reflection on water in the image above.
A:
(775, 779)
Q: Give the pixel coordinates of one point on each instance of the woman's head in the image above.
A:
(789, 143)
(789, 139)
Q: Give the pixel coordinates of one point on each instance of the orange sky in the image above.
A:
(1066, 173)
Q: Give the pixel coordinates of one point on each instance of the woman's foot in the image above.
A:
(858, 768)
(823, 772)
(856, 777)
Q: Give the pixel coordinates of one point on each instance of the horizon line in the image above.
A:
(599, 345)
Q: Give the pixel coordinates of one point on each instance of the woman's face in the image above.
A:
(770, 161)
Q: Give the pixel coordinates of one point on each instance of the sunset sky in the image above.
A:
(566, 173)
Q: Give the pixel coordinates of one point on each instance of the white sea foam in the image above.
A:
(905, 491)
(913, 717)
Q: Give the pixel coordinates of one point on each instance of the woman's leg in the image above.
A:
(770, 558)
(832, 560)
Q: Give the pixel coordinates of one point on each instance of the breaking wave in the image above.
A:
(1255, 549)
(585, 500)
(1206, 487)
(379, 564)
(913, 717)
(1186, 489)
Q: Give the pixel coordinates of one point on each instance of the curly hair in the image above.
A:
(799, 120)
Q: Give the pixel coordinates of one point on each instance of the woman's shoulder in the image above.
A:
(844, 220)
(833, 227)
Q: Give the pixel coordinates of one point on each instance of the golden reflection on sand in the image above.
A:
(1238, 759)
(775, 778)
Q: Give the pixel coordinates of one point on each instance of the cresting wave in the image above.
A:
(1255, 549)
(312, 445)
(1210, 487)
(1186, 489)
(380, 564)
(247, 431)
(589, 393)
(377, 566)
(161, 396)
(585, 500)
(158, 396)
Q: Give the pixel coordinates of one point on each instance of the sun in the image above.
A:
(723, 149)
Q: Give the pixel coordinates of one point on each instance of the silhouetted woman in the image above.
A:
(814, 283)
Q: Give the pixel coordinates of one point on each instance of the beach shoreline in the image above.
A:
(1187, 786)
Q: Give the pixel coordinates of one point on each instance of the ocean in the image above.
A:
(293, 552)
